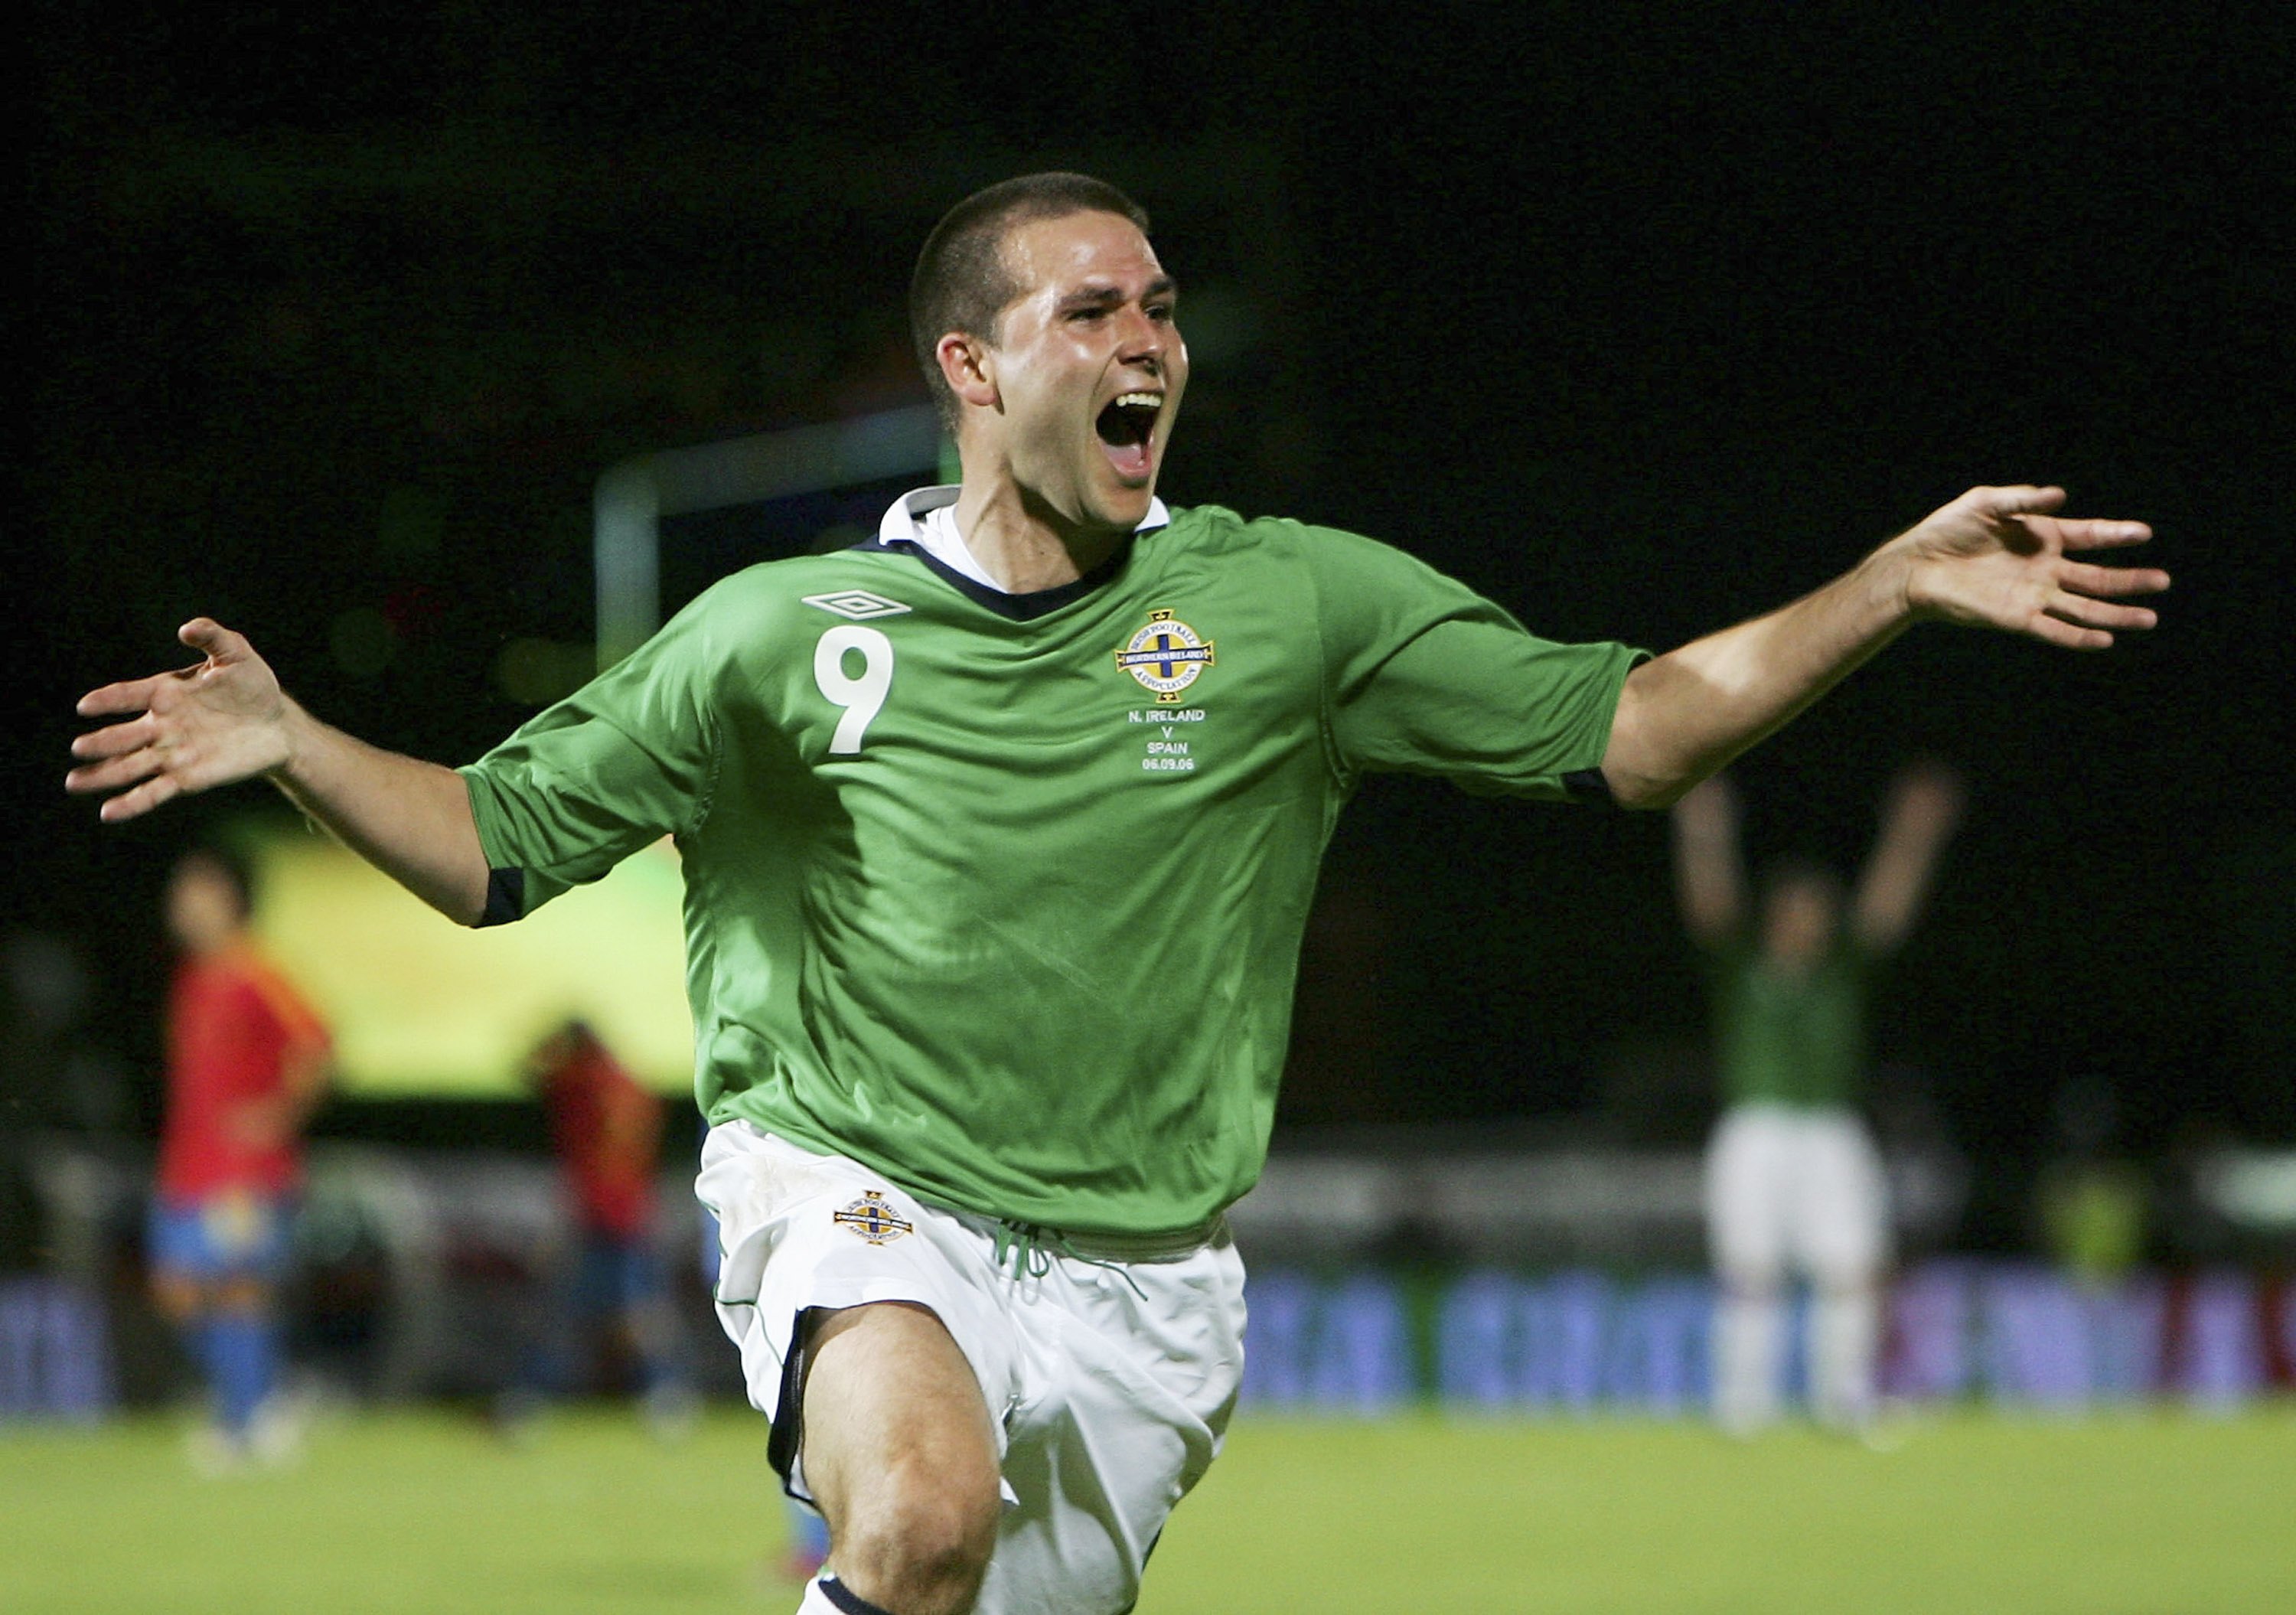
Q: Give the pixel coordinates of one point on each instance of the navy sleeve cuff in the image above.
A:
(1588, 785)
(505, 896)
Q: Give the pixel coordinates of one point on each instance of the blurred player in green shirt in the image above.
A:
(999, 833)
(1794, 1185)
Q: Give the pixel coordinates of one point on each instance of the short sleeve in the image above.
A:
(626, 759)
(1423, 675)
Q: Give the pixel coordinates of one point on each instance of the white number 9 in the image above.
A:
(861, 698)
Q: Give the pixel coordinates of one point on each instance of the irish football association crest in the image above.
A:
(873, 1219)
(1166, 657)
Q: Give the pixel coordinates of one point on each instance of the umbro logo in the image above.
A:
(859, 604)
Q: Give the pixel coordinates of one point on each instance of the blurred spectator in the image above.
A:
(2091, 1203)
(246, 1066)
(1794, 1184)
(607, 1131)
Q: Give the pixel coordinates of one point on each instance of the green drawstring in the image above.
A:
(1032, 1248)
(1024, 1243)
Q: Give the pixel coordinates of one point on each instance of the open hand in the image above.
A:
(221, 719)
(1999, 557)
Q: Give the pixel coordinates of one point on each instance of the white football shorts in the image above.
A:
(1110, 1382)
(1795, 1190)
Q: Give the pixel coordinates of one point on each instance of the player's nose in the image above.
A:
(1143, 341)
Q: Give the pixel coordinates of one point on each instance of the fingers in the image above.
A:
(2032, 508)
(2092, 533)
(153, 792)
(113, 772)
(206, 634)
(2086, 613)
(114, 739)
(2112, 580)
(130, 695)
(2080, 623)
(2022, 499)
(2056, 631)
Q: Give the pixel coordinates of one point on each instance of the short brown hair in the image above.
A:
(962, 281)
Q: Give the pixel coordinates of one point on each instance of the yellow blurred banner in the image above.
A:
(419, 1005)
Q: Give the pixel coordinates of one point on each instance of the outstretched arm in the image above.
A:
(1708, 873)
(1995, 557)
(1924, 806)
(224, 718)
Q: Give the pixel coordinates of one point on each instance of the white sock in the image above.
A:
(1845, 1330)
(1748, 1331)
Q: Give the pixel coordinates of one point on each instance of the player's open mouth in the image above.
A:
(1127, 427)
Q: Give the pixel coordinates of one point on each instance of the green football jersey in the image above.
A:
(1792, 1038)
(1003, 895)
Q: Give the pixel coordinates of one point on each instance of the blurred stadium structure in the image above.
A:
(1559, 1204)
(819, 486)
(1556, 1279)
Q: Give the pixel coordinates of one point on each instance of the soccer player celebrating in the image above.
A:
(1792, 1179)
(999, 833)
(246, 1065)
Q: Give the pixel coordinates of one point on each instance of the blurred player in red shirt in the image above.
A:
(607, 1131)
(247, 1062)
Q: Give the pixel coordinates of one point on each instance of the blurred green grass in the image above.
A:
(423, 1512)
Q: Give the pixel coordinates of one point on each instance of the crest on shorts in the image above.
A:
(1166, 657)
(873, 1219)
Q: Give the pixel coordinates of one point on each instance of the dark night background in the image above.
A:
(1641, 319)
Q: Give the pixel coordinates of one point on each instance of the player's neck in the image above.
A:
(1023, 544)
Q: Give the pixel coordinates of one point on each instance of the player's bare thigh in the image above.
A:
(901, 1456)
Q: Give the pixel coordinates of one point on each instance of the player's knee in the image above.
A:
(920, 1545)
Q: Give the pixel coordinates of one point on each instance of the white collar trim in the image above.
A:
(926, 517)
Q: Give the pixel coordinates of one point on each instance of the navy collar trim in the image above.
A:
(1019, 608)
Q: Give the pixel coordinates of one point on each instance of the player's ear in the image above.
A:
(969, 365)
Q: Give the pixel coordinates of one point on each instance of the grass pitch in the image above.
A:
(425, 1512)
